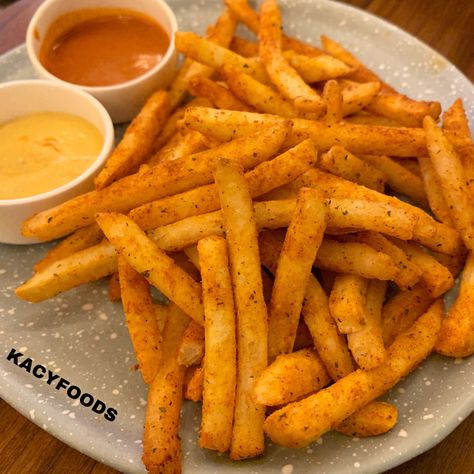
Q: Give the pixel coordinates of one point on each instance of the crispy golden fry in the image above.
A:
(113, 288)
(435, 277)
(303, 238)
(261, 179)
(451, 175)
(141, 320)
(241, 233)
(78, 240)
(402, 310)
(244, 47)
(137, 142)
(299, 423)
(333, 99)
(191, 349)
(220, 364)
(285, 78)
(290, 377)
(356, 96)
(152, 263)
(400, 179)
(374, 419)
(347, 303)
(154, 183)
(343, 163)
(161, 445)
(456, 338)
(219, 95)
(260, 96)
(364, 118)
(194, 385)
(367, 346)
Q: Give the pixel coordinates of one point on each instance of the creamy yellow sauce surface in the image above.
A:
(43, 151)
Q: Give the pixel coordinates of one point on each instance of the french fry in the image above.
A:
(285, 78)
(158, 181)
(411, 164)
(356, 96)
(452, 178)
(241, 234)
(191, 349)
(260, 96)
(290, 377)
(333, 99)
(347, 303)
(456, 337)
(299, 423)
(113, 288)
(194, 385)
(402, 310)
(137, 142)
(342, 163)
(152, 263)
(364, 118)
(220, 365)
(161, 445)
(374, 419)
(303, 238)
(244, 47)
(141, 320)
(78, 240)
(366, 345)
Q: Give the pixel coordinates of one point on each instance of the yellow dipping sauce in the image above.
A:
(43, 151)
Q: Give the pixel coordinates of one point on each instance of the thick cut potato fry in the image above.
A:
(191, 349)
(347, 303)
(152, 263)
(343, 163)
(364, 118)
(241, 233)
(141, 320)
(156, 182)
(264, 177)
(451, 175)
(299, 423)
(194, 384)
(78, 240)
(161, 445)
(137, 142)
(290, 377)
(402, 310)
(260, 96)
(285, 77)
(356, 96)
(333, 99)
(456, 338)
(374, 419)
(220, 365)
(303, 238)
(367, 346)
(455, 119)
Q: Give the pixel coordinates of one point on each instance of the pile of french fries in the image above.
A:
(251, 193)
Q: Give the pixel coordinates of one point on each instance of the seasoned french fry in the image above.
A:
(402, 310)
(347, 303)
(244, 47)
(456, 337)
(343, 163)
(194, 385)
(290, 377)
(356, 96)
(299, 423)
(191, 349)
(141, 320)
(455, 120)
(152, 263)
(113, 288)
(333, 99)
(374, 419)
(303, 238)
(364, 118)
(241, 233)
(220, 365)
(285, 78)
(367, 346)
(158, 181)
(161, 445)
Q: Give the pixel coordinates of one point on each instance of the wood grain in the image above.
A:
(445, 26)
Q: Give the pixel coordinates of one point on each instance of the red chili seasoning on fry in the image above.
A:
(103, 47)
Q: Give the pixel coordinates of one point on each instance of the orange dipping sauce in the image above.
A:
(103, 47)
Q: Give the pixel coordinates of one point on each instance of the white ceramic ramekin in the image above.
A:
(123, 101)
(19, 98)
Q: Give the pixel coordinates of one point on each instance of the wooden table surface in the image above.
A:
(446, 26)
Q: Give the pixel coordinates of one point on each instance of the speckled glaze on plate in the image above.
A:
(81, 336)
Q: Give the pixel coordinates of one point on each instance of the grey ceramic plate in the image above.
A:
(81, 336)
